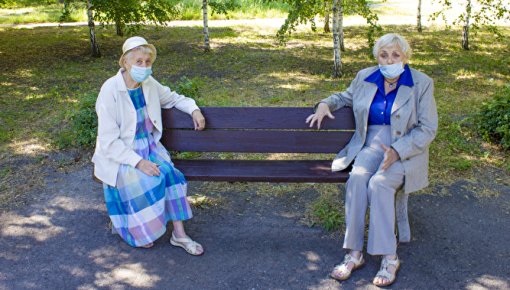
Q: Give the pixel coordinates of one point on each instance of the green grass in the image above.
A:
(40, 14)
(189, 10)
(47, 70)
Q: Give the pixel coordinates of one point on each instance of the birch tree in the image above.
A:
(418, 17)
(219, 7)
(474, 15)
(305, 11)
(207, 46)
(92, 31)
(337, 67)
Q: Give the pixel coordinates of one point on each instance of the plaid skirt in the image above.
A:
(140, 205)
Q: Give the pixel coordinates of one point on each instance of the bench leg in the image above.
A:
(404, 231)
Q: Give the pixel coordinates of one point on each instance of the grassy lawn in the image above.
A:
(47, 70)
(189, 10)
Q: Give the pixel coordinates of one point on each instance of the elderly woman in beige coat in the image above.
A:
(396, 120)
(143, 190)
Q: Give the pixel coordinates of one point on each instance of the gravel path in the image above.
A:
(60, 240)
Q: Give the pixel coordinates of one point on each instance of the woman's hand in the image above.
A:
(320, 113)
(148, 167)
(198, 120)
(390, 156)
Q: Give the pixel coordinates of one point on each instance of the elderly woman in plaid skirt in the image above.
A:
(142, 188)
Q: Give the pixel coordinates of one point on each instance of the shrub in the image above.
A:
(493, 120)
(82, 119)
(186, 87)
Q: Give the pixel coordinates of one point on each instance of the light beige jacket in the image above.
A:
(413, 124)
(117, 123)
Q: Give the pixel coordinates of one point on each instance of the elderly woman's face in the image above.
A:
(390, 55)
(138, 58)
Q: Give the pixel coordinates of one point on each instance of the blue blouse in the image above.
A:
(380, 109)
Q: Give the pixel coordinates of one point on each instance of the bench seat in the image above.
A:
(261, 170)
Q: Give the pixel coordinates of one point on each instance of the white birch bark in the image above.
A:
(465, 30)
(341, 24)
(207, 46)
(337, 68)
(418, 17)
(92, 31)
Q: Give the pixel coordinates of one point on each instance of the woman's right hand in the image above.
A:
(148, 167)
(320, 113)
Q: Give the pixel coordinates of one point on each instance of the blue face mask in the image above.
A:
(392, 71)
(139, 74)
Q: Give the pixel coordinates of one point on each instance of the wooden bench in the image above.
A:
(265, 130)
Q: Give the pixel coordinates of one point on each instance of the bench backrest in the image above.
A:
(257, 130)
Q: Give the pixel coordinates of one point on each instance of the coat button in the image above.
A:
(397, 116)
(398, 132)
(155, 122)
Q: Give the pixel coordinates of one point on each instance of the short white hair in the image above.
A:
(392, 39)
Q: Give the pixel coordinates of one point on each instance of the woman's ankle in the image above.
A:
(355, 254)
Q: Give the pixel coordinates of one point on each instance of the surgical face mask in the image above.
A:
(139, 74)
(392, 71)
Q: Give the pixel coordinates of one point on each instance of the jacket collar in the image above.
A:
(377, 78)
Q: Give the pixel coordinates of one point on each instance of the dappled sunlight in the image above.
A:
(24, 73)
(32, 147)
(329, 284)
(488, 282)
(312, 259)
(75, 271)
(106, 256)
(38, 227)
(295, 80)
(465, 74)
(134, 274)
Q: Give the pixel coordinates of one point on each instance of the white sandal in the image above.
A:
(341, 272)
(383, 272)
(187, 244)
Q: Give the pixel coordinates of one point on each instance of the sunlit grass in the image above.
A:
(40, 14)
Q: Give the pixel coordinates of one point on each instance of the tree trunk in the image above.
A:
(465, 30)
(418, 18)
(337, 69)
(326, 22)
(92, 30)
(207, 46)
(119, 25)
(341, 24)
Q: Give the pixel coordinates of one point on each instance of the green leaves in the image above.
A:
(493, 121)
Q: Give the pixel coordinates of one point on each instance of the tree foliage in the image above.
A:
(476, 14)
(305, 11)
(131, 14)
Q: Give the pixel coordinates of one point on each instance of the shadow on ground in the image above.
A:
(61, 240)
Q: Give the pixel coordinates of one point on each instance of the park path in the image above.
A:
(59, 239)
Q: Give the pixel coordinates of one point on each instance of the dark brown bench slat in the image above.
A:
(257, 118)
(261, 170)
(256, 141)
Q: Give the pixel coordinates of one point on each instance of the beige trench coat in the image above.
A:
(117, 123)
(413, 124)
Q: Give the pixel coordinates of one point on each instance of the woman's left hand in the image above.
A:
(198, 120)
(390, 156)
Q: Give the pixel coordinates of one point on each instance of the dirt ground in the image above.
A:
(57, 237)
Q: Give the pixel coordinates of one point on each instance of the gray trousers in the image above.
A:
(367, 186)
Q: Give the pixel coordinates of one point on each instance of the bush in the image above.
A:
(186, 87)
(82, 119)
(493, 120)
